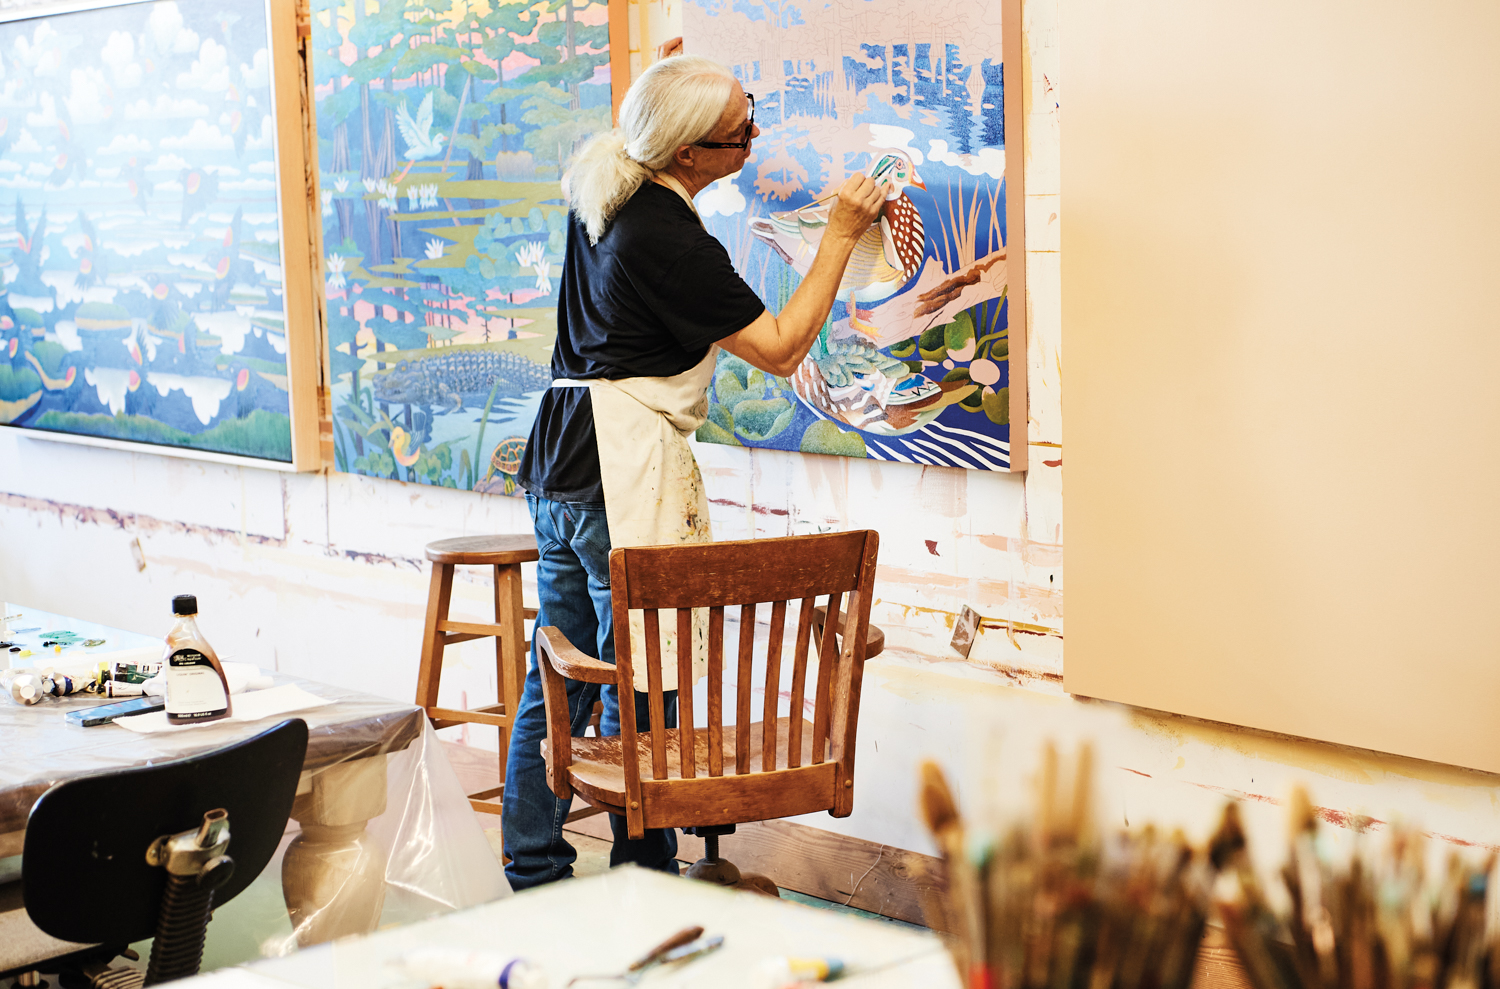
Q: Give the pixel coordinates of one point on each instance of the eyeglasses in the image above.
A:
(740, 145)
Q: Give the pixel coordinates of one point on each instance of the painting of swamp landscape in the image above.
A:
(139, 231)
(913, 363)
(444, 127)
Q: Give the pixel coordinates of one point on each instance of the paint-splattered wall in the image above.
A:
(323, 576)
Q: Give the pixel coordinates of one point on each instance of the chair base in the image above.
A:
(722, 872)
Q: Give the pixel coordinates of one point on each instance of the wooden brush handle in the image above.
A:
(685, 936)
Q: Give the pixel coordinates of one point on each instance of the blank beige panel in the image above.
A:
(1281, 273)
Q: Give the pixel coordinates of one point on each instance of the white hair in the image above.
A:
(678, 100)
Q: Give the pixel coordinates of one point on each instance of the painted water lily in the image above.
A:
(328, 204)
(532, 255)
(335, 273)
(434, 249)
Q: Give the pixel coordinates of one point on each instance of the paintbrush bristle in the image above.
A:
(1229, 840)
(939, 809)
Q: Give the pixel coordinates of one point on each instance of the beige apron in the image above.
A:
(653, 490)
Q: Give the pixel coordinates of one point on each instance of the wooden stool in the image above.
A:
(505, 554)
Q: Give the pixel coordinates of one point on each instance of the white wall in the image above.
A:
(322, 576)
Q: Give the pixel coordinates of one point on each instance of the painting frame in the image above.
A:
(294, 196)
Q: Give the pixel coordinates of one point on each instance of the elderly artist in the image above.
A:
(646, 299)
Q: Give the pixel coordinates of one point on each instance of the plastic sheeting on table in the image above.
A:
(437, 858)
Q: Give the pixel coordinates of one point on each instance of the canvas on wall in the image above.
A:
(143, 297)
(444, 127)
(913, 364)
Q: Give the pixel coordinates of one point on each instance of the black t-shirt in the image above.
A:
(647, 301)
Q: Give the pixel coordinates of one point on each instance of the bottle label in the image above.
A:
(194, 689)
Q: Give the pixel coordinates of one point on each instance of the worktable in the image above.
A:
(601, 924)
(378, 809)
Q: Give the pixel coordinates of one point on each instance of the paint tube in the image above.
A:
(788, 973)
(133, 672)
(22, 684)
(123, 688)
(61, 685)
(453, 968)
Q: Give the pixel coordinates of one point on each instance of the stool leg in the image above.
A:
(510, 648)
(430, 673)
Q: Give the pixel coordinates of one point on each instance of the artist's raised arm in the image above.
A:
(777, 343)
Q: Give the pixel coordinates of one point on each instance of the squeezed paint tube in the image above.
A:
(454, 968)
(788, 973)
(23, 685)
(61, 685)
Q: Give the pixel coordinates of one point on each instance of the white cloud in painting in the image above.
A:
(263, 167)
(37, 168)
(19, 182)
(257, 74)
(165, 106)
(17, 95)
(44, 53)
(989, 161)
(263, 142)
(6, 165)
(119, 54)
(210, 71)
(202, 137)
(167, 30)
(167, 163)
(258, 185)
(125, 144)
(87, 103)
(722, 197)
(886, 137)
(229, 327)
(26, 144)
(206, 393)
(45, 114)
(66, 333)
(112, 384)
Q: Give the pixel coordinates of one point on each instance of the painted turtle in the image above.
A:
(507, 456)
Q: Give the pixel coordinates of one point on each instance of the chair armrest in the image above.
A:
(874, 635)
(569, 660)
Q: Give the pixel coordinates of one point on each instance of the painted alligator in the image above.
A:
(459, 379)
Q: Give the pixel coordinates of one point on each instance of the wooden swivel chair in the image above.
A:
(120, 857)
(705, 775)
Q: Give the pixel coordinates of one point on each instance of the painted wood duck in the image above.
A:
(886, 257)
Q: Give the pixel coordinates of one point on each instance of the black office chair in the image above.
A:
(149, 852)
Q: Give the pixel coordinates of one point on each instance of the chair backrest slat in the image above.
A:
(828, 659)
(716, 691)
(799, 683)
(742, 688)
(687, 752)
(656, 701)
(773, 687)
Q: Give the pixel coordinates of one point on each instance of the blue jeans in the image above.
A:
(573, 584)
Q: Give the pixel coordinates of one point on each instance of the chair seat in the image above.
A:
(22, 943)
(496, 551)
(598, 771)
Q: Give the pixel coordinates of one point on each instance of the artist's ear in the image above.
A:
(684, 156)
